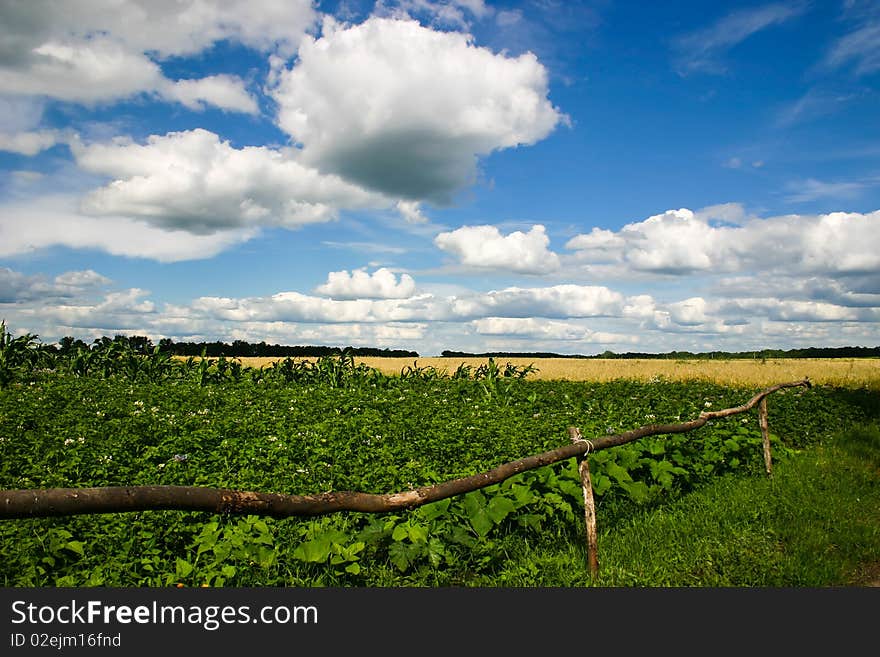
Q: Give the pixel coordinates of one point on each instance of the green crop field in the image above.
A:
(110, 417)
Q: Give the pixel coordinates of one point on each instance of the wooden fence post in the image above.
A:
(765, 435)
(589, 503)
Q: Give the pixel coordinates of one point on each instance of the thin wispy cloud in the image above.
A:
(446, 13)
(815, 104)
(802, 191)
(703, 50)
(366, 247)
(858, 50)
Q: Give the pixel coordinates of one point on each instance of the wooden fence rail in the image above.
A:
(30, 503)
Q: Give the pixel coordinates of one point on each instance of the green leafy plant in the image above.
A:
(330, 547)
(220, 551)
(113, 413)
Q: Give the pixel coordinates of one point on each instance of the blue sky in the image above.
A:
(572, 177)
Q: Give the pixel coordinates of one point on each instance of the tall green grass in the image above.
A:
(814, 523)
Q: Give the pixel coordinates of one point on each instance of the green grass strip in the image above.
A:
(814, 523)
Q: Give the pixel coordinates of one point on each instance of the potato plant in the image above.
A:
(114, 417)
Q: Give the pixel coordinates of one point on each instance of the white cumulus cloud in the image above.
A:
(54, 221)
(223, 91)
(541, 329)
(360, 284)
(686, 242)
(28, 143)
(193, 181)
(91, 51)
(689, 311)
(16, 287)
(484, 247)
(102, 69)
(411, 212)
(165, 27)
(406, 110)
(554, 301)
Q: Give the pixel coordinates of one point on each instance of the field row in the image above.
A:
(363, 434)
(845, 373)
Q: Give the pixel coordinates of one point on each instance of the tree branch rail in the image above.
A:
(32, 503)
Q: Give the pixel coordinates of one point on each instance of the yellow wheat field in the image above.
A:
(841, 372)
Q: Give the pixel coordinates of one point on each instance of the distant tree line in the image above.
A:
(510, 354)
(809, 352)
(241, 348)
(237, 349)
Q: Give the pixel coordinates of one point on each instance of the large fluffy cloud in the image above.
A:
(165, 27)
(102, 69)
(31, 226)
(484, 247)
(116, 311)
(101, 50)
(553, 301)
(683, 241)
(850, 291)
(676, 241)
(16, 287)
(193, 181)
(384, 114)
(406, 110)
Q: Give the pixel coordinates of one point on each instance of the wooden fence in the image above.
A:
(31, 503)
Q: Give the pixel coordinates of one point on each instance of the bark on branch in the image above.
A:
(589, 504)
(32, 503)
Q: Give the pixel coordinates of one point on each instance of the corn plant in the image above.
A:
(17, 354)
(199, 369)
(427, 373)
